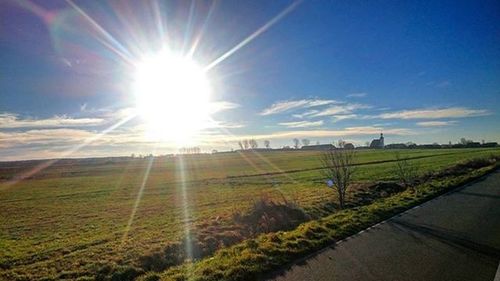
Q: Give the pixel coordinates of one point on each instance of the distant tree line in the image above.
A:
(250, 144)
(190, 150)
(463, 143)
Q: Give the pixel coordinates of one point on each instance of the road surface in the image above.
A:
(453, 237)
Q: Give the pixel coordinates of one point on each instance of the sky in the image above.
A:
(419, 71)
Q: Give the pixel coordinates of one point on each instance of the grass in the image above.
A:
(256, 257)
(70, 220)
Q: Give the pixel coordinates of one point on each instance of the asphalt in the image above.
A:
(453, 237)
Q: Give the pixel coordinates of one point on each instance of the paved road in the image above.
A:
(454, 237)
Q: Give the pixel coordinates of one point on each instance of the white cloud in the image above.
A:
(340, 109)
(356, 95)
(302, 124)
(283, 106)
(344, 117)
(437, 113)
(222, 124)
(10, 120)
(305, 114)
(436, 123)
(43, 136)
(222, 105)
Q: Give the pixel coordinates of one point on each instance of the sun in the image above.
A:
(172, 96)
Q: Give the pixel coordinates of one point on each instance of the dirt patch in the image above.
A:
(367, 193)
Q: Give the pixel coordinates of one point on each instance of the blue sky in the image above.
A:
(421, 71)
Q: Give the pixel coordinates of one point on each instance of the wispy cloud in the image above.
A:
(341, 109)
(283, 106)
(341, 117)
(436, 123)
(435, 113)
(222, 105)
(11, 120)
(224, 125)
(357, 95)
(305, 114)
(302, 124)
(43, 136)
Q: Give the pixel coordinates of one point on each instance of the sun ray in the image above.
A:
(113, 45)
(160, 23)
(66, 153)
(137, 199)
(189, 26)
(268, 178)
(254, 35)
(202, 31)
(185, 207)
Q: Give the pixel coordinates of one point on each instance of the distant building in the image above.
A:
(490, 144)
(396, 146)
(378, 143)
(349, 146)
(429, 146)
(318, 147)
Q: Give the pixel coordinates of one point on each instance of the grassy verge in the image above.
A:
(254, 257)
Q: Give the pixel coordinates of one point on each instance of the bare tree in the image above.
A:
(296, 143)
(190, 150)
(241, 145)
(465, 141)
(340, 143)
(338, 167)
(246, 144)
(306, 142)
(405, 171)
(267, 144)
(253, 143)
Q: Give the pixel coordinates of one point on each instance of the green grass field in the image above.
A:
(68, 221)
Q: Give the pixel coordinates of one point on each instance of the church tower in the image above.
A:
(381, 140)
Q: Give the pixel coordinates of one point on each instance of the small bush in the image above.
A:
(267, 215)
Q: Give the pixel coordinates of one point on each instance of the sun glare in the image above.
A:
(172, 96)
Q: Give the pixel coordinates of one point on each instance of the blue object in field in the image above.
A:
(329, 183)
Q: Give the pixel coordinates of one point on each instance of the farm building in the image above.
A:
(318, 147)
(349, 146)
